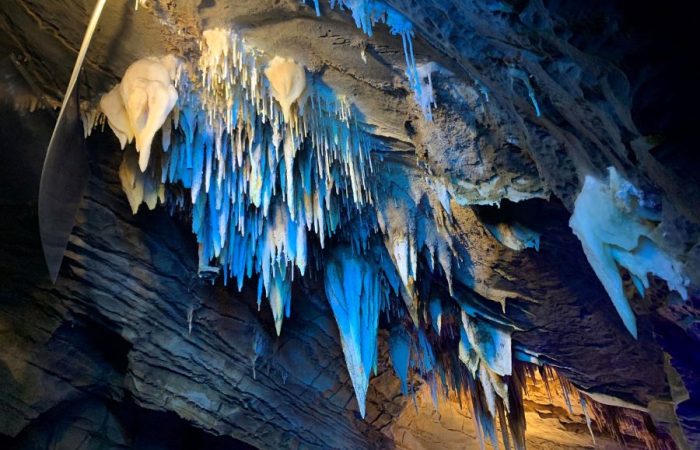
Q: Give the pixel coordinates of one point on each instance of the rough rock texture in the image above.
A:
(130, 335)
(144, 289)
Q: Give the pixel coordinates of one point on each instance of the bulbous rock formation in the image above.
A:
(288, 81)
(138, 106)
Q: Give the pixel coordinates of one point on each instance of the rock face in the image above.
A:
(131, 348)
(149, 294)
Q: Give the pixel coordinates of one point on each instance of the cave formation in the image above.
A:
(412, 224)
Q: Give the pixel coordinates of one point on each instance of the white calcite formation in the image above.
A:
(425, 96)
(491, 344)
(138, 106)
(615, 225)
(288, 81)
(112, 106)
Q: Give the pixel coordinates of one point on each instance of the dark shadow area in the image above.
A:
(93, 423)
(655, 44)
(23, 142)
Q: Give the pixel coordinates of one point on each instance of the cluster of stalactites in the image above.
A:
(415, 218)
(486, 351)
(362, 282)
(358, 285)
(268, 156)
(484, 369)
(495, 377)
(270, 160)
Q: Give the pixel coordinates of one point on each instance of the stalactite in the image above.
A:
(354, 290)
(615, 223)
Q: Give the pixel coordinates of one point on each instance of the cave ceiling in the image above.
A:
(526, 180)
